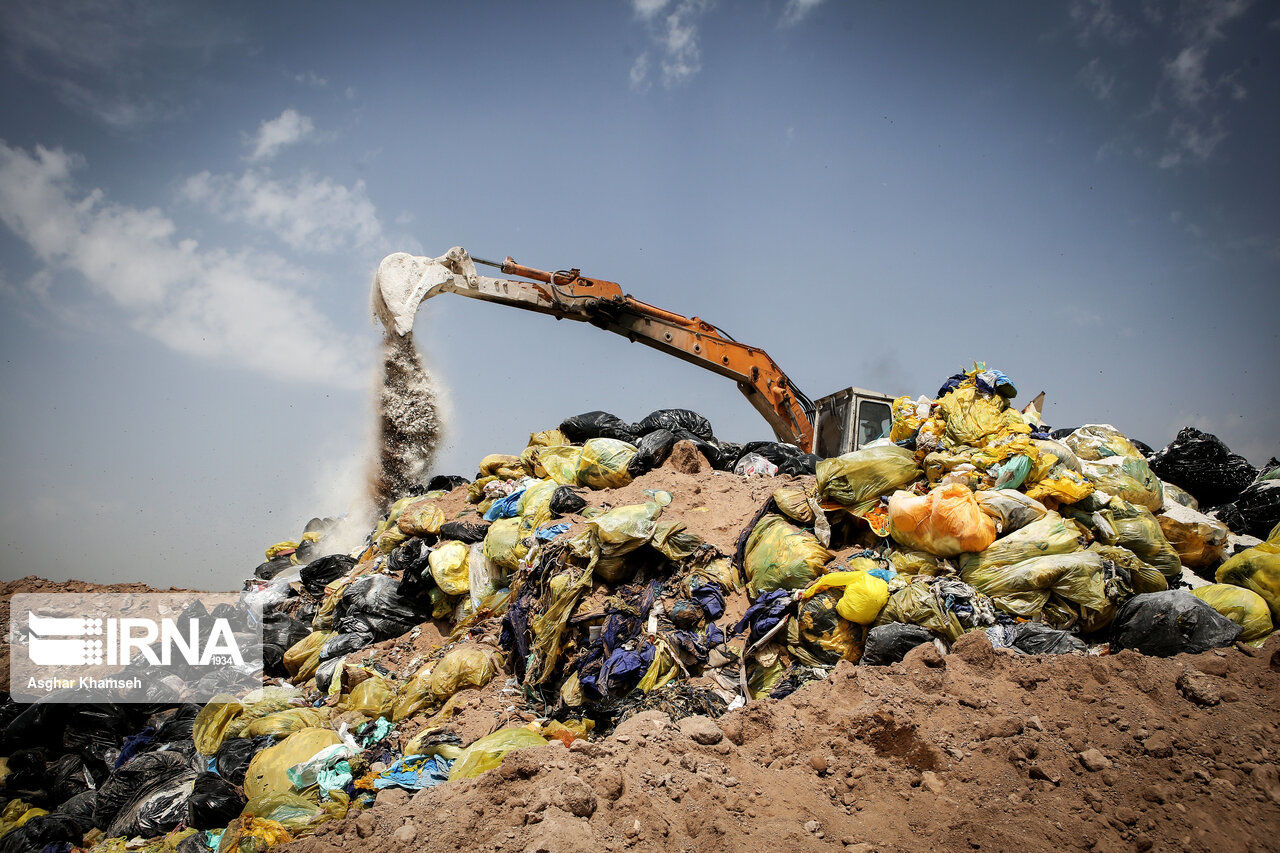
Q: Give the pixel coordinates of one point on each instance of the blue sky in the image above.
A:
(194, 198)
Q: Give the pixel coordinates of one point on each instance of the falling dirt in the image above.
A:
(410, 423)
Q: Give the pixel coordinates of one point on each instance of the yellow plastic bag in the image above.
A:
(916, 604)
(819, 635)
(449, 567)
(1200, 541)
(282, 723)
(296, 812)
(908, 562)
(1127, 478)
(948, 521)
(1074, 582)
(16, 813)
(603, 463)
(487, 752)
(560, 463)
(1049, 535)
(462, 667)
(502, 466)
(268, 770)
(972, 418)
(1144, 577)
(780, 556)
(793, 502)
(420, 518)
(865, 595)
(1135, 528)
(1242, 606)
(372, 697)
(503, 543)
(252, 834)
(1010, 509)
(1258, 569)
(303, 658)
(1092, 442)
(858, 479)
(413, 695)
(212, 722)
(280, 548)
(612, 535)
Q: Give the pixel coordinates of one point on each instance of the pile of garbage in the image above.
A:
(569, 611)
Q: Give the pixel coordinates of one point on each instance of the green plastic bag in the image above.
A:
(1135, 528)
(858, 479)
(1242, 606)
(780, 556)
(1092, 442)
(612, 535)
(1144, 576)
(916, 604)
(1027, 588)
(487, 752)
(603, 463)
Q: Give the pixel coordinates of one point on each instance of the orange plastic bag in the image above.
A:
(947, 522)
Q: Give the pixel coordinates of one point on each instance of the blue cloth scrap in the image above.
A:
(764, 615)
(415, 772)
(885, 575)
(714, 635)
(133, 744)
(504, 507)
(711, 598)
(995, 382)
(551, 531)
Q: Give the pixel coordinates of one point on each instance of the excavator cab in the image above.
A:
(849, 420)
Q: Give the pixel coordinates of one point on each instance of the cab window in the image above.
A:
(874, 420)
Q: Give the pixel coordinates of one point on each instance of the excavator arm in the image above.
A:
(405, 281)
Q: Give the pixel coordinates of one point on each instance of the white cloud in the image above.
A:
(312, 79)
(245, 308)
(288, 128)
(673, 29)
(307, 213)
(1099, 20)
(796, 11)
(1097, 79)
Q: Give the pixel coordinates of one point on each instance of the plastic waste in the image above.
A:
(487, 752)
(449, 568)
(674, 420)
(591, 425)
(887, 644)
(1257, 509)
(214, 802)
(373, 605)
(1167, 623)
(856, 480)
(1200, 463)
(781, 556)
(1257, 569)
(268, 771)
(318, 573)
(1011, 509)
(1128, 478)
(234, 756)
(1049, 535)
(754, 465)
(863, 595)
(1092, 442)
(1075, 582)
(1200, 541)
(1035, 638)
(146, 797)
(947, 521)
(420, 518)
(1242, 606)
(822, 636)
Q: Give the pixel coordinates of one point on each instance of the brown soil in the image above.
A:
(978, 750)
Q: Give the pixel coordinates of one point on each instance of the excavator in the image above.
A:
(829, 426)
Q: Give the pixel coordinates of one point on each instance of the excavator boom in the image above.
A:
(405, 281)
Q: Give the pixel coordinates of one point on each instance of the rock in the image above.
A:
(931, 781)
(1001, 727)
(701, 730)
(686, 458)
(1213, 665)
(975, 648)
(1198, 687)
(406, 834)
(364, 824)
(818, 762)
(1039, 771)
(812, 826)
(1093, 760)
(610, 783)
(576, 797)
(391, 797)
(1159, 745)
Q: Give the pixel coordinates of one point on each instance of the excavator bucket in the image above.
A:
(403, 282)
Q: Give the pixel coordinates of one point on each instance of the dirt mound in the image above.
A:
(976, 750)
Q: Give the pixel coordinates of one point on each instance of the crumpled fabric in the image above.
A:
(763, 616)
(415, 772)
(710, 598)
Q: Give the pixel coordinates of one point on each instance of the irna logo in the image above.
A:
(92, 641)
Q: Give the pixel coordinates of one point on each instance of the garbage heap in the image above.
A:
(539, 596)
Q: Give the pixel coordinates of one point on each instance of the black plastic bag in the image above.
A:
(654, 449)
(214, 802)
(145, 797)
(324, 674)
(469, 532)
(40, 831)
(1255, 512)
(411, 560)
(272, 659)
(446, 482)
(66, 777)
(233, 758)
(268, 570)
(318, 573)
(344, 644)
(283, 630)
(1167, 623)
(565, 501)
(729, 455)
(775, 451)
(805, 463)
(590, 425)
(1200, 463)
(373, 605)
(175, 725)
(890, 643)
(1036, 638)
(676, 419)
